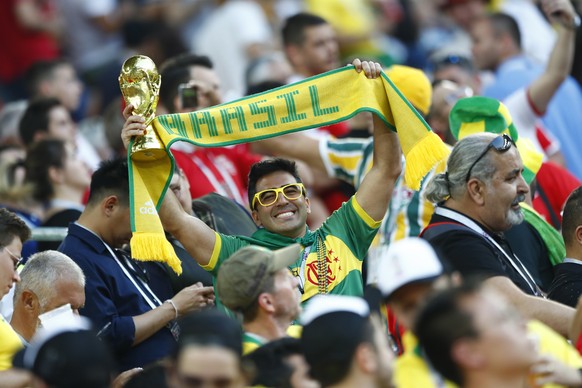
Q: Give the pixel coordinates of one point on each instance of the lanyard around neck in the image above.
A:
(466, 221)
(151, 301)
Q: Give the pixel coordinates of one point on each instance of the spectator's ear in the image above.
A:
(578, 235)
(255, 216)
(476, 190)
(30, 302)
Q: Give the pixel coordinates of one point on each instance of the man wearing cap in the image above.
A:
(409, 272)
(344, 344)
(70, 356)
(478, 198)
(256, 282)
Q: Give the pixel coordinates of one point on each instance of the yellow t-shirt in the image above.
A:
(10, 343)
(412, 371)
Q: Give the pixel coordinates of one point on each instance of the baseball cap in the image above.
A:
(210, 327)
(479, 114)
(242, 276)
(68, 357)
(407, 261)
(333, 327)
(414, 84)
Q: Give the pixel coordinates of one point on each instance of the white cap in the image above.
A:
(406, 261)
(321, 305)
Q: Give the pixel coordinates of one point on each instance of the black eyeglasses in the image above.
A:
(501, 144)
(16, 259)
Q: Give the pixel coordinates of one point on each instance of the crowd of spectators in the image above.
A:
(308, 260)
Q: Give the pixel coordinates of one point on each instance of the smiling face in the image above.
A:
(505, 191)
(285, 217)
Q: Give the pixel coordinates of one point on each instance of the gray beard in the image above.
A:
(514, 218)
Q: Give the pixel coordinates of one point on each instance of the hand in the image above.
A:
(134, 126)
(561, 11)
(194, 297)
(124, 377)
(548, 370)
(371, 69)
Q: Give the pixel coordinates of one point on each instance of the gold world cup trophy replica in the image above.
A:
(140, 82)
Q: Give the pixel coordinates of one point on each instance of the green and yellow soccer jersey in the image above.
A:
(346, 236)
(408, 212)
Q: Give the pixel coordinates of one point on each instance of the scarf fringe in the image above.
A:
(154, 247)
(421, 158)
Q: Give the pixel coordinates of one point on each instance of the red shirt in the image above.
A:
(20, 46)
(557, 183)
(221, 170)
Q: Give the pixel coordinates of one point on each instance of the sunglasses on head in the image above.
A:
(268, 197)
(500, 144)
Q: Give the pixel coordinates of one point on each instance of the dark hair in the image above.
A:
(266, 167)
(41, 71)
(111, 178)
(209, 327)
(572, 216)
(41, 156)
(503, 23)
(270, 362)
(293, 30)
(12, 226)
(441, 322)
(176, 71)
(36, 118)
(333, 369)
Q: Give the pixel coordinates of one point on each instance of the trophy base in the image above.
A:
(145, 155)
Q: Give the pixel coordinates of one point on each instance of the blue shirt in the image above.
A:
(112, 299)
(564, 113)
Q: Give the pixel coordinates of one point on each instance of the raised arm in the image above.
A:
(559, 65)
(375, 191)
(292, 146)
(554, 314)
(196, 237)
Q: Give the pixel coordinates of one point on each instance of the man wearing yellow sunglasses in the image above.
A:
(331, 256)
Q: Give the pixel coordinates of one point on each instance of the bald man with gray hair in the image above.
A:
(477, 200)
(49, 280)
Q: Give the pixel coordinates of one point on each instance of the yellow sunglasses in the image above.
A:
(270, 196)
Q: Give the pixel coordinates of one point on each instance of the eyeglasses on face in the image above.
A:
(17, 259)
(268, 197)
(500, 144)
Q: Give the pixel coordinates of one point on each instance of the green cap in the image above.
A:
(482, 114)
(242, 276)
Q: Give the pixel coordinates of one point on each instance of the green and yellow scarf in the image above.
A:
(318, 101)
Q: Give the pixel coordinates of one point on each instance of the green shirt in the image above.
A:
(337, 247)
